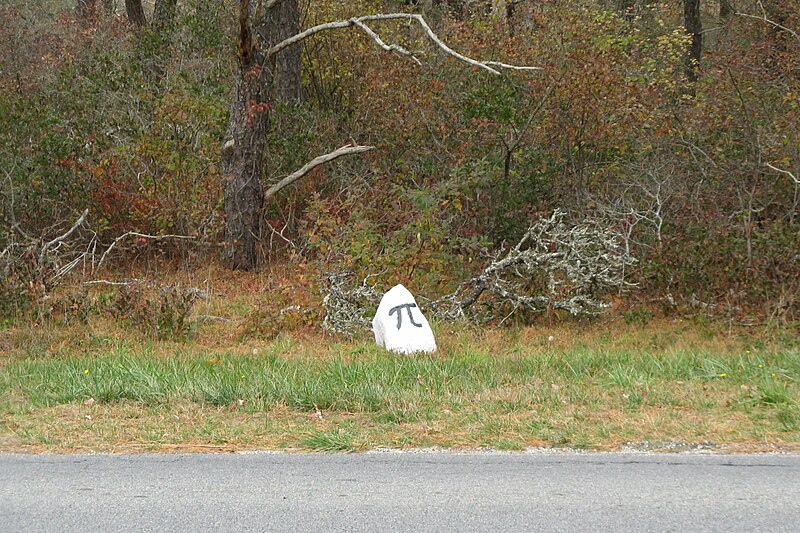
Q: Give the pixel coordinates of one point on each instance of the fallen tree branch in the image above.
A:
(113, 283)
(359, 22)
(555, 265)
(311, 165)
(347, 305)
(140, 235)
(213, 318)
(61, 238)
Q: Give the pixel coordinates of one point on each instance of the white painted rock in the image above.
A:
(400, 326)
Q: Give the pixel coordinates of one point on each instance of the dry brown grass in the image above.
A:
(133, 428)
(565, 399)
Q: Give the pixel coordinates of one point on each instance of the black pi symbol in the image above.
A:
(399, 312)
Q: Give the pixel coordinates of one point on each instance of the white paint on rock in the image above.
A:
(399, 325)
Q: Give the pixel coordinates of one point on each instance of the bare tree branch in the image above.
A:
(782, 171)
(140, 235)
(60, 238)
(359, 22)
(311, 165)
(279, 234)
(771, 22)
(11, 208)
(388, 47)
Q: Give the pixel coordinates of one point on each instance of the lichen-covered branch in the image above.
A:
(556, 265)
(348, 306)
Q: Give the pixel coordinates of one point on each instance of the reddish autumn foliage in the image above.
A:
(700, 178)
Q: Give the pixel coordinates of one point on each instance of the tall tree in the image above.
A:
(245, 140)
(244, 145)
(136, 13)
(694, 26)
(285, 19)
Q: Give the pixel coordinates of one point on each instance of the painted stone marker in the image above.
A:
(399, 325)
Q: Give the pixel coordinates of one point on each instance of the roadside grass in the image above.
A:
(99, 389)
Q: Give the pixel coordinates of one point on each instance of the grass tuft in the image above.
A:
(336, 440)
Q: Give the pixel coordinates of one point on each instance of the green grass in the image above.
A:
(335, 440)
(377, 381)
(479, 390)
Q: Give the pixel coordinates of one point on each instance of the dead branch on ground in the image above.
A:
(347, 306)
(555, 265)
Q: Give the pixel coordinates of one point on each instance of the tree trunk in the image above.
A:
(136, 13)
(245, 141)
(164, 13)
(691, 15)
(284, 21)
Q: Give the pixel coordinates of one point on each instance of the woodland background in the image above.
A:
(686, 142)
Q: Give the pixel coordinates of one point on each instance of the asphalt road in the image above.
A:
(401, 492)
